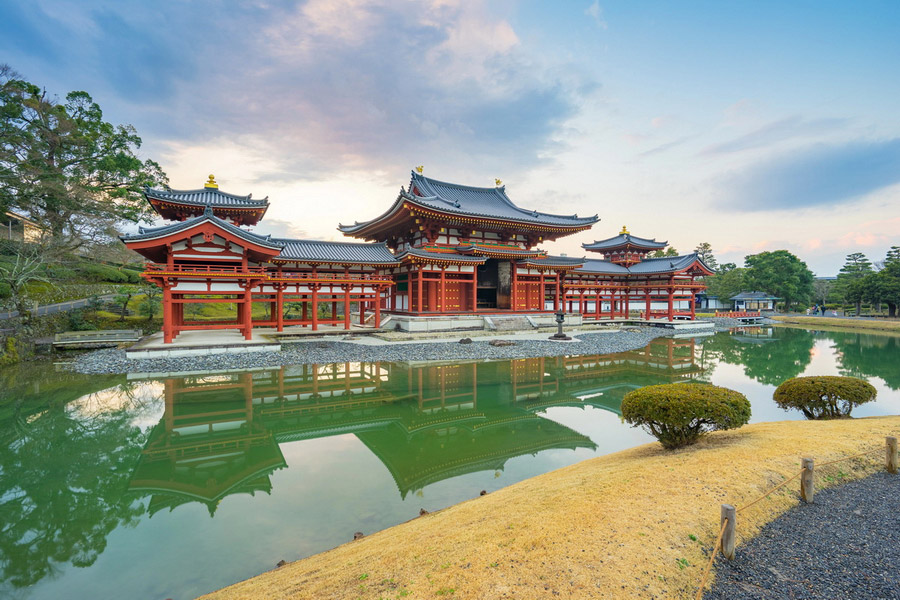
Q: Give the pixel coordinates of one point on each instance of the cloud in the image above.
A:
(596, 13)
(816, 176)
(776, 131)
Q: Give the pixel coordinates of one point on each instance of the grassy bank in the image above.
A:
(629, 525)
(855, 324)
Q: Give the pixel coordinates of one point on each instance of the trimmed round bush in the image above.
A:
(824, 396)
(678, 414)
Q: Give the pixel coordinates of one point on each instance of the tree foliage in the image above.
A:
(668, 251)
(704, 251)
(678, 414)
(65, 167)
(725, 284)
(779, 273)
(825, 396)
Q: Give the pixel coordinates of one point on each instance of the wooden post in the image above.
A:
(806, 481)
(377, 323)
(314, 307)
(890, 459)
(279, 308)
(728, 538)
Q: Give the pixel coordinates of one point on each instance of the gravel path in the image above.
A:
(846, 546)
(324, 351)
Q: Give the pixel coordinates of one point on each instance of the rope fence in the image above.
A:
(726, 539)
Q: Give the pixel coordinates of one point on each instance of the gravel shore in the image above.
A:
(324, 351)
(845, 545)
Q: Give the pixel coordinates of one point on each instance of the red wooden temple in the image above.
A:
(440, 249)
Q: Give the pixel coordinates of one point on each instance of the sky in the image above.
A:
(752, 126)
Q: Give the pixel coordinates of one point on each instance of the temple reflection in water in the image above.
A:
(220, 433)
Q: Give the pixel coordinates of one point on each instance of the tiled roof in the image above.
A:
(595, 265)
(488, 249)
(479, 202)
(206, 197)
(622, 239)
(648, 266)
(553, 261)
(335, 252)
(451, 256)
(149, 233)
(754, 296)
(666, 264)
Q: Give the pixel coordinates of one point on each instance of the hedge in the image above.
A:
(678, 414)
(824, 396)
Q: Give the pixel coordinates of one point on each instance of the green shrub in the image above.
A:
(678, 414)
(98, 272)
(825, 396)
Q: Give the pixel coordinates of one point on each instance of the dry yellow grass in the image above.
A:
(857, 324)
(617, 526)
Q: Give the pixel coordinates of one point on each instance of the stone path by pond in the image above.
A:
(845, 546)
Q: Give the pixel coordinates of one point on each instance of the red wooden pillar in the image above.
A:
(474, 288)
(346, 306)
(248, 314)
(314, 307)
(304, 316)
(167, 314)
(279, 308)
(419, 299)
(557, 301)
(627, 303)
(693, 299)
(671, 291)
(442, 291)
(377, 323)
(648, 298)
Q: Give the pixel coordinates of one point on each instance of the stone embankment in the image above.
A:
(322, 350)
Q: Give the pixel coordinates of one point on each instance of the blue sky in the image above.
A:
(753, 126)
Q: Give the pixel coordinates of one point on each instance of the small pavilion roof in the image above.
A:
(754, 296)
(206, 197)
(335, 252)
(472, 202)
(149, 233)
(624, 239)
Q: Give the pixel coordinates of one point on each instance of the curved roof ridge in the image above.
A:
(343, 243)
(145, 232)
(499, 191)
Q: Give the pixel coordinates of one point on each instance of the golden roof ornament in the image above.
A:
(211, 184)
(624, 231)
(497, 182)
(419, 169)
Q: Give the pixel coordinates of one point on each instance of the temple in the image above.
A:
(441, 249)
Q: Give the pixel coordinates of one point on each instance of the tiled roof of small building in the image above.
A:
(335, 252)
(478, 202)
(754, 296)
(595, 265)
(625, 239)
(206, 197)
(149, 233)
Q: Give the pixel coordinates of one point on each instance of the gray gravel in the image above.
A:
(323, 351)
(845, 546)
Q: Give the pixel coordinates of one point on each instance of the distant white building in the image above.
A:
(754, 301)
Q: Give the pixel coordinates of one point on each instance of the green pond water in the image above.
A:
(171, 486)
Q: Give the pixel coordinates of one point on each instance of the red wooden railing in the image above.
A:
(211, 269)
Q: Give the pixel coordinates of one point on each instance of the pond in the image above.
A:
(172, 486)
